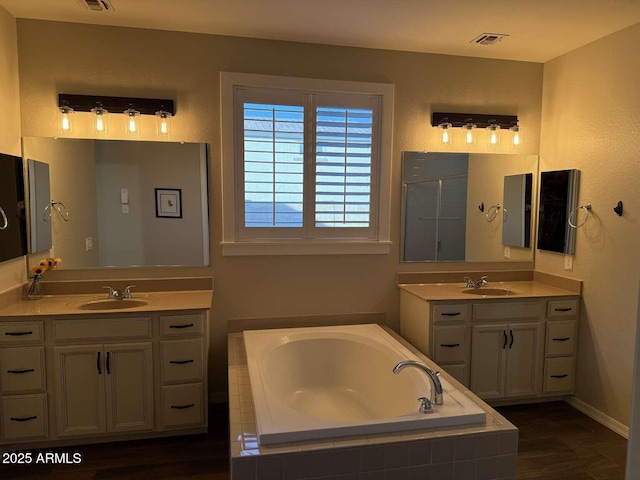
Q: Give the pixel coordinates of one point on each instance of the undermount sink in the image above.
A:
(109, 304)
(489, 291)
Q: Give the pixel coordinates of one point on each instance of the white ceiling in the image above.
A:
(538, 30)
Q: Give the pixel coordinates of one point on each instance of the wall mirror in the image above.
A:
(118, 203)
(13, 229)
(517, 207)
(558, 199)
(453, 206)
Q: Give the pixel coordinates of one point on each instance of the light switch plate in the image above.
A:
(568, 262)
(124, 195)
(88, 242)
(125, 208)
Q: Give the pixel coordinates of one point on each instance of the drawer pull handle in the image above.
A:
(108, 363)
(18, 334)
(559, 376)
(180, 362)
(182, 407)
(561, 339)
(186, 325)
(450, 314)
(23, 419)
(450, 345)
(17, 372)
(504, 345)
(566, 309)
(511, 342)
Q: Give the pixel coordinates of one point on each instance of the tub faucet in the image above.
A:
(481, 282)
(436, 387)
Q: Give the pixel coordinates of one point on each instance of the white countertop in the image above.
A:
(71, 304)
(455, 291)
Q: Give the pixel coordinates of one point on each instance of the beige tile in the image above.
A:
(295, 466)
(321, 464)
(243, 468)
(420, 452)
(234, 416)
(487, 468)
(396, 455)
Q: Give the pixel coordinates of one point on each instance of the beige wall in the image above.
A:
(590, 122)
(56, 57)
(12, 272)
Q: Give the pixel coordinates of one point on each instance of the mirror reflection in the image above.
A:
(558, 202)
(453, 207)
(103, 208)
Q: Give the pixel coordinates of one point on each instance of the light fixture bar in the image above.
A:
(85, 103)
(480, 120)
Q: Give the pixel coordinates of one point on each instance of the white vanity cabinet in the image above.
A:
(103, 376)
(502, 349)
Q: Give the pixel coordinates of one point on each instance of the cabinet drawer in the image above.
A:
(449, 343)
(562, 308)
(507, 311)
(558, 375)
(21, 369)
(102, 329)
(24, 417)
(20, 332)
(459, 311)
(181, 360)
(457, 371)
(183, 405)
(561, 338)
(181, 325)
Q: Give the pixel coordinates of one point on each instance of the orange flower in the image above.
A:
(38, 270)
(57, 262)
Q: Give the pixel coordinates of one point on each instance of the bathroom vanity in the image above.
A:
(505, 341)
(73, 372)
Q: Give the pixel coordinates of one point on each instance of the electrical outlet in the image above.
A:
(125, 208)
(507, 251)
(568, 262)
(88, 243)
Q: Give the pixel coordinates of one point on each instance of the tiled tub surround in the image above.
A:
(486, 451)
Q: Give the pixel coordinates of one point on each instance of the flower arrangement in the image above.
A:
(37, 273)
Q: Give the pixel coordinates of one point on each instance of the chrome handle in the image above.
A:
(127, 291)
(426, 406)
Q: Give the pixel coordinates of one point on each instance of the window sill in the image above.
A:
(230, 249)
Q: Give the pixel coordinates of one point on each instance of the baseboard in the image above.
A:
(598, 416)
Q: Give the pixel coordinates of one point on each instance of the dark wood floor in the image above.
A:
(556, 442)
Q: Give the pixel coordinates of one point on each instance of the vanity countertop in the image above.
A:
(71, 304)
(513, 290)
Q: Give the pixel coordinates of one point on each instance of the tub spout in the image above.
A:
(436, 387)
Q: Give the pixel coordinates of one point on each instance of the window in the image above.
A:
(306, 165)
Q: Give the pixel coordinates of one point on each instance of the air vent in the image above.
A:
(97, 5)
(489, 38)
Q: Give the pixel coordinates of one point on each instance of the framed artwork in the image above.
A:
(168, 202)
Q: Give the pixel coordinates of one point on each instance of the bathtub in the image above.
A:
(322, 382)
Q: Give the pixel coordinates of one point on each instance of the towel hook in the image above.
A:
(493, 211)
(59, 207)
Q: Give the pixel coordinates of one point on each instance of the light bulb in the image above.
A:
(444, 133)
(132, 121)
(163, 121)
(100, 120)
(469, 137)
(494, 135)
(66, 120)
(516, 138)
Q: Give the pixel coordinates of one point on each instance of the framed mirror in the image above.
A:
(558, 199)
(103, 204)
(13, 229)
(453, 206)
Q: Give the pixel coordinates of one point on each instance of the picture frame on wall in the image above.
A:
(168, 202)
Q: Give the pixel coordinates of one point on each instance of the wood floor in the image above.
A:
(556, 442)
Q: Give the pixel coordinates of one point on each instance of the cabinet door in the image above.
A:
(488, 353)
(523, 355)
(129, 387)
(79, 390)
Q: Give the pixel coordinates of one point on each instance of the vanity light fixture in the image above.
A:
(444, 133)
(163, 122)
(468, 122)
(65, 122)
(100, 121)
(516, 136)
(132, 108)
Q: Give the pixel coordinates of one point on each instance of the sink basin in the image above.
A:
(489, 291)
(108, 304)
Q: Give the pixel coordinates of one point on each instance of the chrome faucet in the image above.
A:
(436, 398)
(481, 282)
(115, 294)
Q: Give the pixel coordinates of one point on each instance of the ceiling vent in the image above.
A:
(489, 38)
(97, 5)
